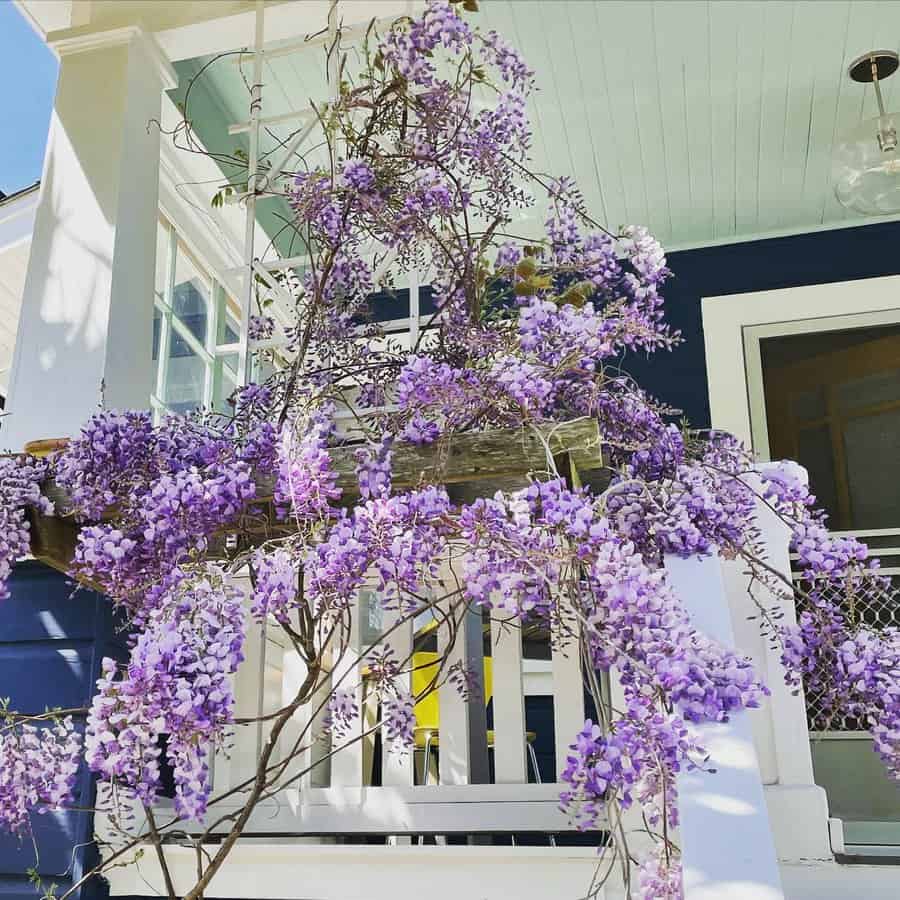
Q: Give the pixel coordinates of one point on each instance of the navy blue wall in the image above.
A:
(51, 643)
(846, 254)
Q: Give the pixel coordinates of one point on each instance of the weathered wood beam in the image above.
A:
(476, 456)
(472, 462)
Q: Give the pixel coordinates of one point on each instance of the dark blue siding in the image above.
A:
(51, 642)
(845, 254)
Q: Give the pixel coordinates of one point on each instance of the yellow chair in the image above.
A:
(427, 710)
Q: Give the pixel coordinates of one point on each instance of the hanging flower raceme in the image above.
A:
(166, 489)
(660, 876)
(399, 721)
(93, 464)
(176, 685)
(343, 712)
(373, 469)
(276, 586)
(396, 541)
(38, 768)
(637, 758)
(850, 667)
(20, 487)
(306, 483)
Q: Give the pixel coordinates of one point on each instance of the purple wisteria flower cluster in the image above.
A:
(176, 686)
(171, 486)
(527, 331)
(636, 758)
(20, 488)
(659, 875)
(38, 768)
(851, 667)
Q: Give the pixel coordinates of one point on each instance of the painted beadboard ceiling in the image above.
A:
(707, 121)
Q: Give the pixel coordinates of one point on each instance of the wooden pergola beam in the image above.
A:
(485, 461)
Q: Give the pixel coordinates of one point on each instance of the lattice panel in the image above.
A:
(879, 611)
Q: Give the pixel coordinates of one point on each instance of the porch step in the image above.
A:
(291, 871)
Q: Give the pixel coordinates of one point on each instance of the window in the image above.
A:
(196, 324)
(832, 401)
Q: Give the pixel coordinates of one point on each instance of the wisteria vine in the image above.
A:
(530, 330)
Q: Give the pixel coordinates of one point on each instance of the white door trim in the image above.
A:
(728, 319)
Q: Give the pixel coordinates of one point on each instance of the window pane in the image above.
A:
(225, 382)
(229, 319)
(873, 469)
(833, 400)
(186, 373)
(162, 258)
(814, 453)
(190, 298)
(872, 390)
(157, 331)
(809, 405)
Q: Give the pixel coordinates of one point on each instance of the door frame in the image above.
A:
(733, 325)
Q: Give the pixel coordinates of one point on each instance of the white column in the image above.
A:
(727, 847)
(798, 808)
(87, 310)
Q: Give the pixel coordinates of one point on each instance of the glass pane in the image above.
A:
(788, 349)
(873, 469)
(190, 298)
(873, 390)
(808, 405)
(157, 331)
(224, 382)
(186, 373)
(814, 453)
(162, 258)
(836, 377)
(229, 319)
(371, 622)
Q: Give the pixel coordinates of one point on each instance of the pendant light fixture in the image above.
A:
(866, 162)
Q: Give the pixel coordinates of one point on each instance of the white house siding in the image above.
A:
(16, 225)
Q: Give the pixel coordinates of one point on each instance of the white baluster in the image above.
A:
(347, 762)
(397, 766)
(238, 762)
(463, 732)
(293, 674)
(568, 700)
(319, 743)
(510, 765)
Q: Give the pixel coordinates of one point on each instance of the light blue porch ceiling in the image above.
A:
(707, 121)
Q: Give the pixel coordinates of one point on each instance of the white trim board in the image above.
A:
(727, 318)
(292, 870)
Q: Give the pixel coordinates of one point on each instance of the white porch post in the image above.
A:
(87, 311)
(726, 839)
(798, 808)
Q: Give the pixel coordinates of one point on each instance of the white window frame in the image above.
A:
(734, 322)
(210, 352)
(755, 334)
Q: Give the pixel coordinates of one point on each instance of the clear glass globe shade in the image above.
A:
(866, 171)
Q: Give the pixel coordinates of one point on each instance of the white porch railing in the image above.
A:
(728, 817)
(343, 794)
